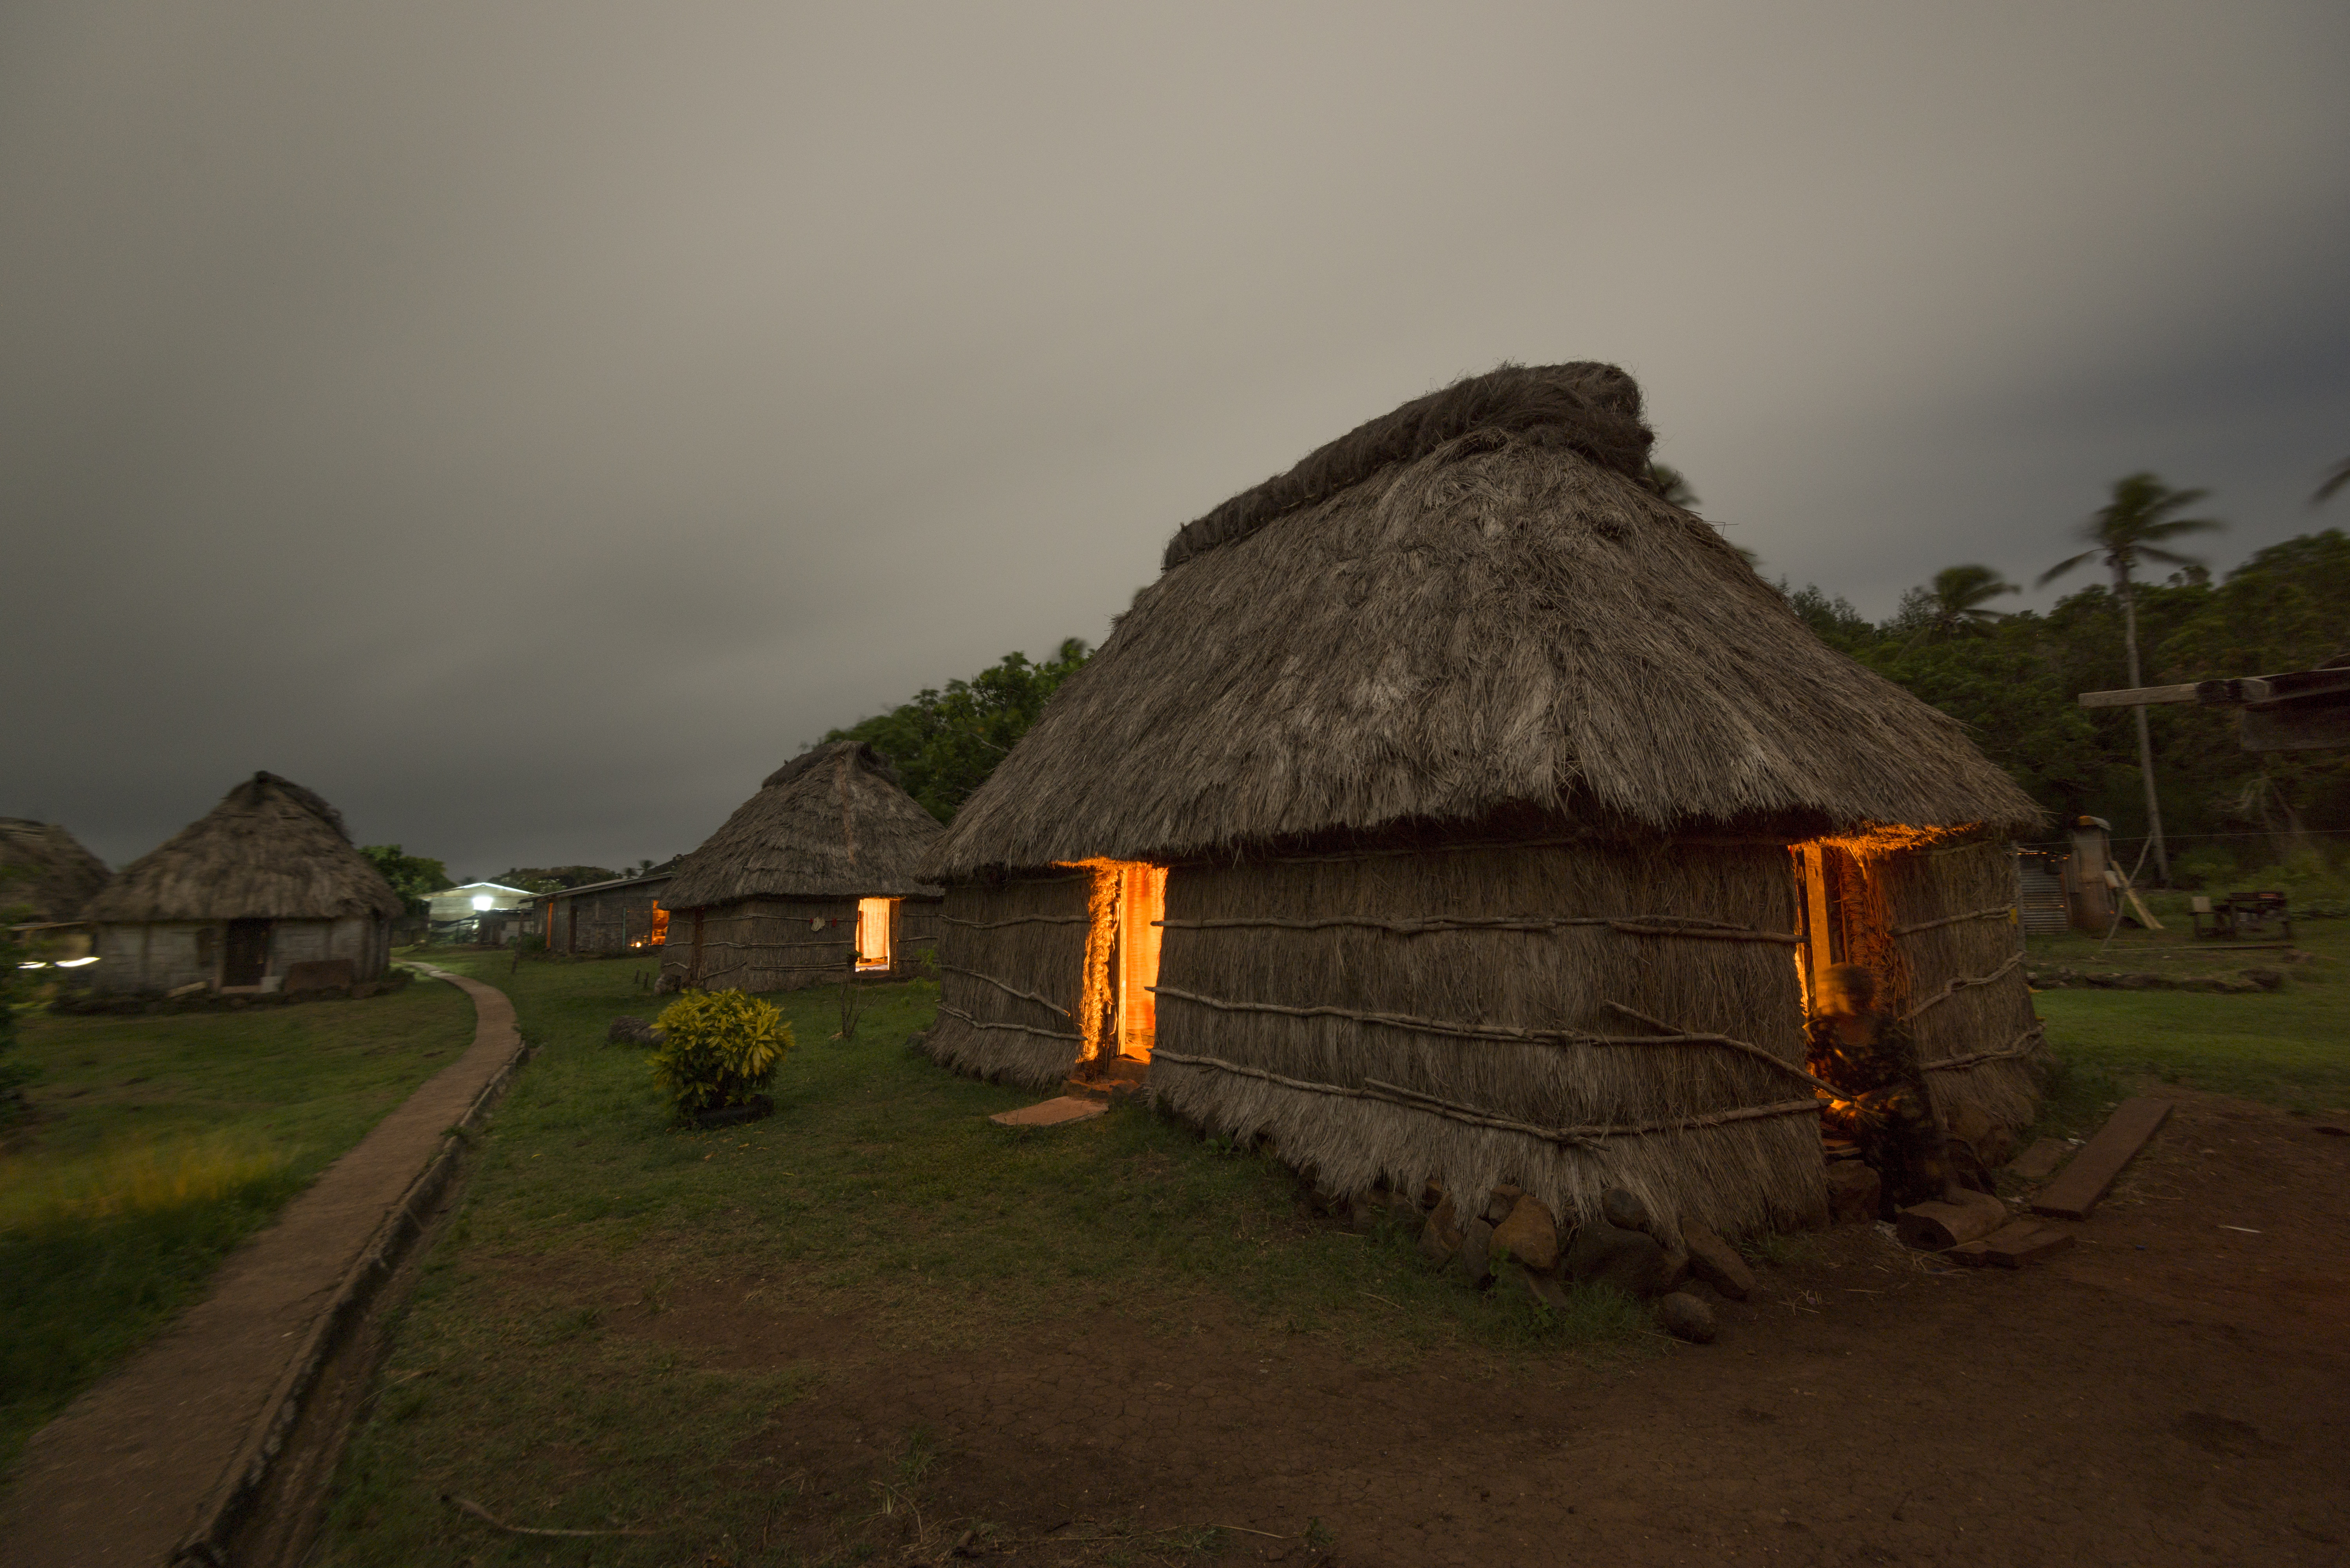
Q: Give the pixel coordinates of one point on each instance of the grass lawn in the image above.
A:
(159, 1143)
(879, 1196)
(2288, 1047)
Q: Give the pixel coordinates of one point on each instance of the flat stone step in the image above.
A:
(1051, 1112)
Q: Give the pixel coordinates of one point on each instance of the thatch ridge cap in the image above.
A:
(1584, 406)
(271, 850)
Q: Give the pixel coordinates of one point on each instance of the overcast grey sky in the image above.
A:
(528, 424)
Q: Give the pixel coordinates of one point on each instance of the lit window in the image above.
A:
(873, 932)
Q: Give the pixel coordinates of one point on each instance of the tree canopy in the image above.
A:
(945, 743)
(412, 876)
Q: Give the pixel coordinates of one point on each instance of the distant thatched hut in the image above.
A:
(1451, 806)
(813, 879)
(609, 919)
(267, 880)
(44, 869)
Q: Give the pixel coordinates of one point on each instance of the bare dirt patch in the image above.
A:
(2176, 1389)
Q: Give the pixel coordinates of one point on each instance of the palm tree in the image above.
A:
(1958, 602)
(2130, 528)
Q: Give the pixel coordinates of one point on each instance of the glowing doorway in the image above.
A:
(874, 918)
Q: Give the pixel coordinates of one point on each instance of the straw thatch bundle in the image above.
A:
(831, 824)
(1479, 766)
(770, 900)
(270, 850)
(45, 868)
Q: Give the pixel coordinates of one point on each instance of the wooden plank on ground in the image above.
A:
(2010, 1250)
(2077, 1192)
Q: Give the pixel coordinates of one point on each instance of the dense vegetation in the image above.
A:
(2015, 680)
(945, 743)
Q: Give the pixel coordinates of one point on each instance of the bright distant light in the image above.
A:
(34, 965)
(76, 963)
(483, 900)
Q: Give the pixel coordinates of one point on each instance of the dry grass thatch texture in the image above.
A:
(1467, 988)
(1961, 976)
(1012, 960)
(1490, 623)
(785, 944)
(55, 875)
(831, 824)
(270, 850)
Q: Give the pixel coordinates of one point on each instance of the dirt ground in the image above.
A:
(2175, 1389)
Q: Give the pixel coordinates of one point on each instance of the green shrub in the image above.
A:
(718, 1048)
(2204, 868)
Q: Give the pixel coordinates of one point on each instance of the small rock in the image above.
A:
(1716, 1262)
(1440, 1238)
(1686, 1317)
(1476, 1259)
(628, 1030)
(1404, 1210)
(1608, 1255)
(2039, 1162)
(1855, 1192)
(1623, 1210)
(1497, 1203)
(2266, 979)
(1531, 1234)
(1549, 1292)
(1362, 1214)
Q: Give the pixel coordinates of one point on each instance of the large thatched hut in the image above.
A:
(268, 879)
(1453, 807)
(815, 878)
(45, 871)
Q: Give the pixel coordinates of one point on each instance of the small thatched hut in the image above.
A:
(267, 880)
(1453, 807)
(44, 870)
(611, 919)
(813, 879)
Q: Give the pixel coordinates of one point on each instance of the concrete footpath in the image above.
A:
(161, 1458)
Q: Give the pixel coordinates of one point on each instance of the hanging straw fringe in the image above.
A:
(1018, 1028)
(1676, 1035)
(1634, 925)
(2021, 1046)
(1962, 984)
(1024, 995)
(1581, 1137)
(1018, 920)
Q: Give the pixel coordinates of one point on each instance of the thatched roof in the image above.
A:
(270, 850)
(832, 824)
(1470, 609)
(56, 874)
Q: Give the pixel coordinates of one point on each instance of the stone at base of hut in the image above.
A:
(1607, 1254)
(1854, 1191)
(1934, 1227)
(1499, 1202)
(1547, 1290)
(1686, 1317)
(1531, 1234)
(1623, 1210)
(1716, 1262)
(1405, 1211)
(1477, 1253)
(1440, 1238)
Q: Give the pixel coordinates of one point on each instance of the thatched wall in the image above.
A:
(1500, 1023)
(1959, 974)
(150, 957)
(774, 944)
(612, 919)
(1010, 962)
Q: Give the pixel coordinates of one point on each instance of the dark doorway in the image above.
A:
(245, 957)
